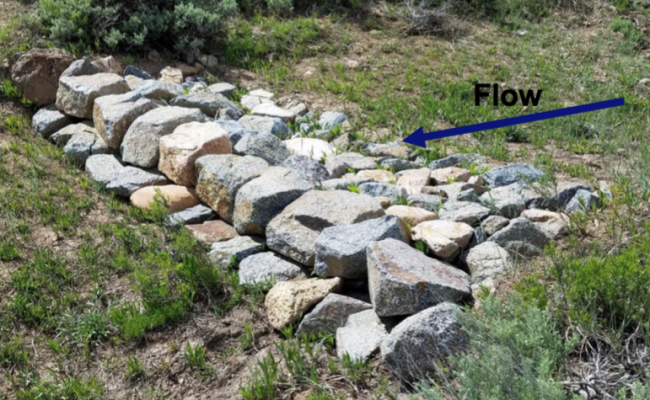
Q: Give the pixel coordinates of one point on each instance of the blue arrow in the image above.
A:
(419, 137)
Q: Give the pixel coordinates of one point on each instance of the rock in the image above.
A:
(274, 126)
(376, 189)
(582, 202)
(265, 94)
(313, 148)
(132, 81)
(261, 199)
(177, 198)
(180, 150)
(458, 160)
(294, 231)
(494, 223)
(129, 179)
(341, 250)
(114, 114)
(209, 103)
(141, 144)
(330, 119)
(222, 88)
(137, 72)
(476, 180)
(268, 268)
(521, 237)
(190, 70)
(343, 183)
(445, 238)
(403, 281)
(468, 195)
(193, 215)
(384, 202)
(331, 314)
(170, 74)
(415, 180)
(221, 176)
(287, 300)
(555, 225)
(509, 174)
(412, 216)
(158, 90)
(451, 190)
(397, 165)
(273, 111)
(427, 201)
(462, 211)
(210, 62)
(361, 336)
(379, 175)
(36, 74)
(554, 198)
(265, 146)
(338, 165)
(450, 175)
(107, 64)
(487, 261)
(76, 95)
(234, 250)
(102, 168)
(235, 130)
(414, 348)
(83, 66)
(299, 109)
(306, 168)
(63, 136)
(83, 144)
(505, 200)
(49, 120)
(251, 102)
(212, 232)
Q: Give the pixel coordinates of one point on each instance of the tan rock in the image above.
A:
(384, 202)
(444, 238)
(180, 150)
(555, 225)
(132, 81)
(476, 180)
(189, 70)
(36, 73)
(287, 300)
(415, 180)
(109, 65)
(450, 175)
(173, 75)
(178, 197)
(412, 216)
(212, 232)
(377, 174)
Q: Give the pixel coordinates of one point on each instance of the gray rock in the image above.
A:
(76, 95)
(234, 250)
(397, 164)
(341, 250)
(235, 130)
(268, 268)
(273, 111)
(261, 199)
(113, 115)
(194, 215)
(331, 119)
(403, 281)
(222, 88)
(339, 165)
(306, 167)
(330, 314)
(582, 202)
(509, 174)
(392, 149)
(209, 103)
(265, 146)
(49, 120)
(493, 224)
(140, 145)
(63, 136)
(274, 126)
(221, 177)
(463, 211)
(554, 198)
(130, 179)
(137, 72)
(521, 237)
(227, 114)
(416, 346)
(158, 90)
(428, 202)
(83, 66)
(102, 168)
(487, 261)
(361, 336)
(453, 190)
(344, 183)
(376, 189)
(84, 144)
(294, 231)
(505, 200)
(468, 195)
(458, 160)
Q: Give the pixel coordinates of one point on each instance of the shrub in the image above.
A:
(280, 6)
(633, 36)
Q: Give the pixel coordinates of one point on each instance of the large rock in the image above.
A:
(193, 215)
(458, 160)
(412, 216)
(294, 231)
(554, 197)
(209, 103)
(306, 167)
(445, 238)
(414, 348)
(268, 268)
(494, 223)
(180, 150)
(114, 114)
(378, 175)
(265, 146)
(521, 237)
(158, 90)
(222, 88)
(141, 144)
(403, 281)
(129, 179)
(555, 225)
(102, 168)
(251, 102)
(86, 66)
(177, 198)
(274, 126)
(505, 200)
(415, 180)
(450, 190)
(361, 336)
(221, 176)
(287, 300)
(463, 211)
(582, 202)
(509, 174)
(487, 261)
(331, 119)
(211, 232)
(429, 202)
(235, 130)
(339, 165)
(376, 189)
(222, 254)
(450, 175)
(49, 120)
(63, 136)
(273, 111)
(36, 74)
(76, 95)
(331, 314)
(313, 148)
(341, 250)
(83, 144)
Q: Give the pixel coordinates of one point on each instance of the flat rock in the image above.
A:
(265, 146)
(398, 164)
(429, 202)
(505, 200)
(361, 336)
(274, 126)
(582, 202)
(521, 237)
(403, 281)
(487, 261)
(294, 231)
(338, 165)
(265, 94)
(158, 90)
(141, 144)
(261, 199)
(267, 268)
(103, 168)
(193, 215)
(379, 175)
(222, 88)
(458, 160)
(180, 150)
(306, 168)
(450, 175)
(463, 211)
(287, 300)
(209, 103)
(412, 216)
(445, 239)
(494, 223)
(509, 174)
(222, 254)
(413, 181)
(556, 225)
(273, 111)
(49, 120)
(76, 95)
(341, 250)
(36, 74)
(177, 198)
(212, 232)
(251, 102)
(315, 149)
(393, 149)
(63, 136)
(221, 176)
(114, 114)
(129, 179)
(376, 189)
(330, 314)
(83, 144)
